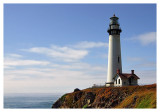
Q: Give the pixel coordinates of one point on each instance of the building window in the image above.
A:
(116, 81)
(119, 81)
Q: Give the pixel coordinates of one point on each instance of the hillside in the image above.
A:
(110, 97)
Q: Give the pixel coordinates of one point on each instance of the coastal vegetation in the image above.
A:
(110, 97)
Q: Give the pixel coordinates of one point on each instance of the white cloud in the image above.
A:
(14, 55)
(86, 44)
(146, 38)
(13, 60)
(51, 78)
(61, 53)
(62, 78)
(54, 77)
(59, 69)
(79, 66)
(10, 62)
(70, 53)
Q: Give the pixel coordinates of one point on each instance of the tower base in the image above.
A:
(109, 84)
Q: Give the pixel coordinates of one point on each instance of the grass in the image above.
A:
(147, 101)
(85, 106)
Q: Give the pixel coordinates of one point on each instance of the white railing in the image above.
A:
(99, 85)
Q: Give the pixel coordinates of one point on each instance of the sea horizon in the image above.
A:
(30, 100)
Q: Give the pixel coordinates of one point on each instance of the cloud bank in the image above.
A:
(61, 70)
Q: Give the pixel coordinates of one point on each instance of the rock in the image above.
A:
(90, 96)
(88, 101)
(135, 97)
(77, 96)
(75, 90)
(114, 103)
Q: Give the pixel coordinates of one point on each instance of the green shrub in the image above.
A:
(85, 106)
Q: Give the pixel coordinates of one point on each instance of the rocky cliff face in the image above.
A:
(110, 97)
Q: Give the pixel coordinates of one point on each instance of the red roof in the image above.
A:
(126, 75)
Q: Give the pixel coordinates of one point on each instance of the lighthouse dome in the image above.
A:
(114, 20)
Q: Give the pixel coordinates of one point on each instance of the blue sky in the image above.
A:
(59, 47)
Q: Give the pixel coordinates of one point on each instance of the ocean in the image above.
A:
(23, 101)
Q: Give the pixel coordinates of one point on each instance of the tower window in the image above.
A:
(119, 81)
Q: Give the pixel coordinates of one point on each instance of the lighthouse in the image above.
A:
(114, 50)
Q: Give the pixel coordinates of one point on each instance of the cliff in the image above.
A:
(110, 97)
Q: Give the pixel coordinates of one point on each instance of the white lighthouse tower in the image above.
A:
(114, 51)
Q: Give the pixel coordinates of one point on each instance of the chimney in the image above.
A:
(118, 71)
(132, 71)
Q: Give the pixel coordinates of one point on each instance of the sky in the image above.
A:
(55, 48)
